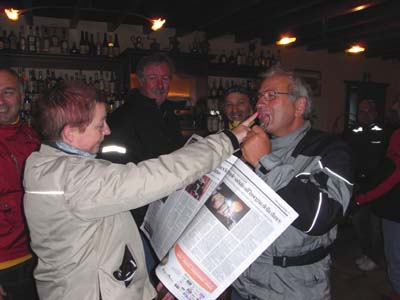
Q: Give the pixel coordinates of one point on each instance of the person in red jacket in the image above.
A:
(384, 196)
(17, 142)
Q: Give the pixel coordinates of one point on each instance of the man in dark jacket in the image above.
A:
(384, 195)
(145, 126)
(17, 142)
(367, 139)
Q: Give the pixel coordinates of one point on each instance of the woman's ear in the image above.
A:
(68, 134)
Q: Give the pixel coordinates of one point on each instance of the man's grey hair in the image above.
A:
(154, 59)
(297, 88)
(19, 80)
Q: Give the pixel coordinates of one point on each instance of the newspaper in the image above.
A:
(208, 233)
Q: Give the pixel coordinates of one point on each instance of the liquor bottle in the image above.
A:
(268, 59)
(12, 38)
(45, 41)
(38, 46)
(232, 58)
(40, 83)
(92, 46)
(87, 43)
(64, 42)
(6, 41)
(110, 45)
(31, 40)
(55, 46)
(26, 108)
(116, 49)
(82, 46)
(74, 50)
(1, 41)
(32, 82)
(96, 81)
(22, 44)
(214, 89)
(239, 58)
(104, 47)
(101, 82)
(222, 58)
(53, 78)
(220, 91)
(261, 59)
(98, 44)
(112, 83)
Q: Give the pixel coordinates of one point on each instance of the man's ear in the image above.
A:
(300, 106)
(68, 134)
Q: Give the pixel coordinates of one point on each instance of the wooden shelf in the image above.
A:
(58, 61)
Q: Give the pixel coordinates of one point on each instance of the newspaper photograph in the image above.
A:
(240, 218)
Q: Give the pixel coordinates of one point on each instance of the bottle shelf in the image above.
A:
(12, 58)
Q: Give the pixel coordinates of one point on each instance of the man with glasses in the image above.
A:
(145, 126)
(17, 142)
(311, 171)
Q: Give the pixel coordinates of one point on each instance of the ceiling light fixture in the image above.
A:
(13, 14)
(355, 49)
(286, 40)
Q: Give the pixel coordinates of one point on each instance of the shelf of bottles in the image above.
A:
(36, 81)
(238, 64)
(55, 40)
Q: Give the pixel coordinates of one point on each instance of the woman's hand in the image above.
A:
(243, 129)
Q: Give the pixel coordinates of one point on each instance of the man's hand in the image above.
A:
(255, 145)
(243, 129)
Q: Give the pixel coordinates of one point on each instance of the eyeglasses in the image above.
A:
(272, 95)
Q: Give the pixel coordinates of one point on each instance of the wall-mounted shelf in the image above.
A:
(58, 61)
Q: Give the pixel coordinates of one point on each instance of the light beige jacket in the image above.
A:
(77, 210)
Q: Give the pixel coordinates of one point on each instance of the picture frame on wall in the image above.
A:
(312, 78)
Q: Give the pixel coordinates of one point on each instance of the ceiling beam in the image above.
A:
(308, 13)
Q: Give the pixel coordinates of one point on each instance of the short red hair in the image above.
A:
(67, 103)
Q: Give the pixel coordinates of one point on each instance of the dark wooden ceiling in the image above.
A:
(330, 25)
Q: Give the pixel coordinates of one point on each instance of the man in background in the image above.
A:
(145, 126)
(17, 142)
(382, 196)
(367, 139)
(310, 170)
(237, 105)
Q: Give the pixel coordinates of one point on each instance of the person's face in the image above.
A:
(90, 139)
(366, 113)
(279, 116)
(219, 204)
(10, 98)
(156, 82)
(237, 107)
